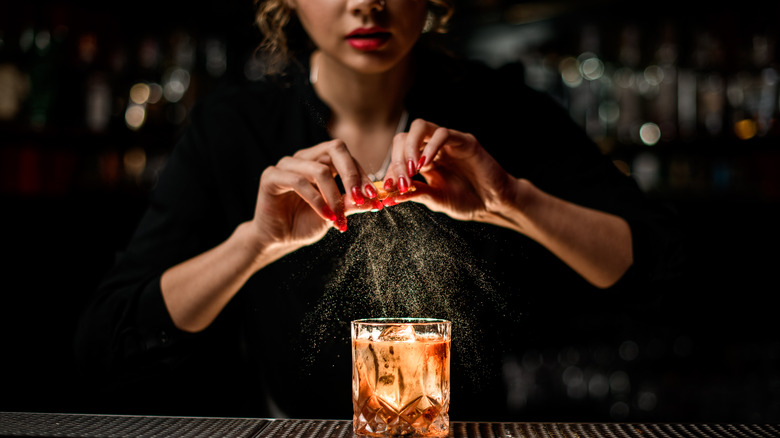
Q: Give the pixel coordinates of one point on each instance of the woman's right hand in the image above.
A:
(299, 199)
(297, 202)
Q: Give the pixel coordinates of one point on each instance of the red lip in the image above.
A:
(368, 31)
(368, 38)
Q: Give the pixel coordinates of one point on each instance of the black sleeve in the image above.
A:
(125, 335)
(207, 188)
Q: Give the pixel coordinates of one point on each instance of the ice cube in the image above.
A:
(366, 335)
(398, 333)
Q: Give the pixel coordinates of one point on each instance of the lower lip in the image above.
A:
(367, 44)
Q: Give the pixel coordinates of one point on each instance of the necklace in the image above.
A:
(314, 73)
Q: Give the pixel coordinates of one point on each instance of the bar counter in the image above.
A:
(28, 424)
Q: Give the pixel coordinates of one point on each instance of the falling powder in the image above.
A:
(408, 262)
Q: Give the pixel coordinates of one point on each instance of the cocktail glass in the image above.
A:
(401, 377)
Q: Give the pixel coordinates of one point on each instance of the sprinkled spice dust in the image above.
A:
(406, 261)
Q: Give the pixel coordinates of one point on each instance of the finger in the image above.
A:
(406, 156)
(440, 138)
(417, 191)
(335, 154)
(359, 187)
(396, 176)
(370, 205)
(276, 181)
(419, 134)
(319, 175)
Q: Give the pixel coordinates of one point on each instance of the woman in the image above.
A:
(229, 285)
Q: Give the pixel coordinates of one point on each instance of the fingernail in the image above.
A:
(369, 188)
(411, 169)
(421, 163)
(378, 206)
(403, 186)
(357, 196)
(341, 223)
(389, 184)
(389, 202)
(328, 213)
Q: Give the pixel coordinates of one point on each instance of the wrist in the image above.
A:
(511, 206)
(258, 247)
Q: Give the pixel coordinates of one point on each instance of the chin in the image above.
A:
(372, 63)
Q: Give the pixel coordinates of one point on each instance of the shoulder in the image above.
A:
(264, 113)
(440, 71)
(468, 95)
(475, 91)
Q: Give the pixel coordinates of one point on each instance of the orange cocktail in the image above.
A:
(401, 376)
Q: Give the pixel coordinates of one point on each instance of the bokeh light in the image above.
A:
(134, 161)
(569, 68)
(745, 129)
(175, 84)
(590, 66)
(650, 133)
(139, 93)
(135, 116)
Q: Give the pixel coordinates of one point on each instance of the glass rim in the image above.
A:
(400, 320)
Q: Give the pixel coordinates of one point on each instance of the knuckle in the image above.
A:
(443, 132)
(299, 181)
(350, 175)
(337, 145)
(398, 165)
(322, 171)
(300, 152)
(419, 123)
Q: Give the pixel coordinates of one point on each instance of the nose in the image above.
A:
(367, 6)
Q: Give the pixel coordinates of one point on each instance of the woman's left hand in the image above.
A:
(467, 183)
(462, 179)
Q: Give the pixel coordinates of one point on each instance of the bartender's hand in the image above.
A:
(297, 202)
(466, 183)
(462, 179)
(299, 199)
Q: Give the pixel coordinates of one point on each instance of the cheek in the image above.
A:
(315, 23)
(415, 16)
(414, 27)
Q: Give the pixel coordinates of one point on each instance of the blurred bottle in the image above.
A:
(95, 84)
(42, 53)
(664, 75)
(627, 86)
(711, 88)
(14, 85)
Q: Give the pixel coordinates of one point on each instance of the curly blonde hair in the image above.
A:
(283, 36)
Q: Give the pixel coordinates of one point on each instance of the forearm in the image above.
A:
(597, 245)
(195, 291)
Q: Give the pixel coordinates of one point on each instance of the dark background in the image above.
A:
(71, 192)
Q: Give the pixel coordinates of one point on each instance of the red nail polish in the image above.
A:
(411, 169)
(378, 206)
(370, 190)
(403, 186)
(357, 196)
(341, 223)
(421, 163)
(389, 202)
(389, 185)
(328, 213)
